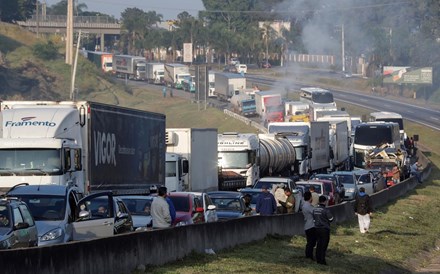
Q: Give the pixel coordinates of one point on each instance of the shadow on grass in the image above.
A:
(8, 44)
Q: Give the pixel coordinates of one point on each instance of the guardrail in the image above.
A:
(245, 120)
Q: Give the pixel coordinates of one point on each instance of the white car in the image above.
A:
(241, 68)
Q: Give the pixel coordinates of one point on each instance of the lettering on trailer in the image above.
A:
(26, 122)
(237, 142)
(105, 148)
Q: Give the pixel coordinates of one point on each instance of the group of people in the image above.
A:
(280, 202)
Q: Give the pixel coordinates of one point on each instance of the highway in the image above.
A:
(421, 115)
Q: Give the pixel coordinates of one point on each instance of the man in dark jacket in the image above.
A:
(266, 204)
(322, 218)
(363, 208)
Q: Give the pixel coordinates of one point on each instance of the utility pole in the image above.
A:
(69, 33)
(343, 48)
(72, 81)
(38, 18)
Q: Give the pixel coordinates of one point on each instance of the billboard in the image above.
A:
(407, 75)
(187, 53)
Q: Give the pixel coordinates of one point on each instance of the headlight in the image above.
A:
(52, 235)
(180, 223)
(349, 190)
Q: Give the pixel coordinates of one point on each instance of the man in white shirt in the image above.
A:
(160, 210)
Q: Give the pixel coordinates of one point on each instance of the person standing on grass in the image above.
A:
(309, 225)
(363, 209)
(322, 218)
(266, 204)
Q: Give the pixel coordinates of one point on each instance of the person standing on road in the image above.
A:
(322, 218)
(289, 203)
(172, 209)
(309, 225)
(363, 209)
(160, 210)
(164, 91)
(280, 198)
(266, 204)
(315, 196)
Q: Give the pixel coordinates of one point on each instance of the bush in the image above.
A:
(46, 51)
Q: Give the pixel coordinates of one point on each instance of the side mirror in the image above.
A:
(21, 226)
(84, 214)
(212, 207)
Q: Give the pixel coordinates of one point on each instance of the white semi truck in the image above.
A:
(130, 67)
(91, 145)
(174, 74)
(227, 83)
(155, 73)
(191, 159)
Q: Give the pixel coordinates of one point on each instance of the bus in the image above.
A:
(318, 97)
(385, 116)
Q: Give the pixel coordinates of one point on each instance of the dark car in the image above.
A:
(230, 204)
(17, 227)
(265, 64)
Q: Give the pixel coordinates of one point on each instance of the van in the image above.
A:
(241, 68)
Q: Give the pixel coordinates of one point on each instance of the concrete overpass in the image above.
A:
(100, 25)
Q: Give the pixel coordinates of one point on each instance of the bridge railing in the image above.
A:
(76, 19)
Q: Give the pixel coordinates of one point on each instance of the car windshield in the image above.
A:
(45, 208)
(346, 179)
(318, 187)
(138, 206)
(181, 203)
(227, 204)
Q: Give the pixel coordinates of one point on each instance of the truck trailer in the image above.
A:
(174, 74)
(88, 144)
(227, 83)
(155, 73)
(130, 67)
(199, 147)
(269, 106)
(102, 60)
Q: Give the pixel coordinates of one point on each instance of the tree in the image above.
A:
(16, 10)
(60, 8)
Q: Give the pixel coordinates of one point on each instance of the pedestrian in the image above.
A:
(322, 218)
(396, 174)
(247, 203)
(363, 209)
(160, 210)
(172, 209)
(415, 171)
(164, 91)
(266, 204)
(280, 198)
(289, 203)
(315, 196)
(171, 92)
(309, 225)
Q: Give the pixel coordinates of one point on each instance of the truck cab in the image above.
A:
(176, 167)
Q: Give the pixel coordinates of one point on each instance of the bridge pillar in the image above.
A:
(102, 42)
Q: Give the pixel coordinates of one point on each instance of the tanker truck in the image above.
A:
(244, 158)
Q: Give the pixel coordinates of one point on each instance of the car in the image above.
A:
(230, 68)
(254, 193)
(229, 204)
(53, 208)
(241, 68)
(365, 179)
(139, 207)
(193, 208)
(265, 64)
(322, 188)
(62, 213)
(17, 226)
(340, 190)
(348, 179)
(234, 61)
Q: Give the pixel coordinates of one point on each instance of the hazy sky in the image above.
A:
(168, 8)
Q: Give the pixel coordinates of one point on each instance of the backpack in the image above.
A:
(362, 205)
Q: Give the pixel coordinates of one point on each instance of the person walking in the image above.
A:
(164, 91)
(160, 210)
(309, 225)
(322, 218)
(315, 196)
(289, 203)
(266, 204)
(363, 209)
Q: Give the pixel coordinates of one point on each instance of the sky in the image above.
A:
(168, 8)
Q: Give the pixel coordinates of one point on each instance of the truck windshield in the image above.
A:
(234, 159)
(34, 161)
(373, 136)
(322, 97)
(46, 208)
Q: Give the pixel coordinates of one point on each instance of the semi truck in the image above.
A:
(102, 60)
(198, 146)
(174, 74)
(129, 67)
(269, 106)
(244, 158)
(243, 104)
(227, 83)
(155, 73)
(92, 145)
(310, 140)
